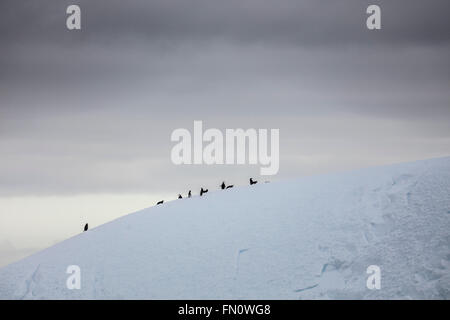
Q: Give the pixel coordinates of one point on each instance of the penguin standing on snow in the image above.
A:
(252, 182)
(203, 191)
(180, 197)
(189, 194)
(223, 185)
(86, 227)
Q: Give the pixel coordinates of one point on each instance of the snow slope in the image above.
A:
(303, 239)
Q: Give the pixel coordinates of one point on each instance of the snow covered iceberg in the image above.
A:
(311, 238)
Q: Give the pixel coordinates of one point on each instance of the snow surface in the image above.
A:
(302, 239)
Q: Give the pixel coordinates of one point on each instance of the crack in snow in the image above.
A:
(306, 288)
(238, 260)
(29, 282)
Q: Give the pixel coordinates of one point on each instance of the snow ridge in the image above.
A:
(311, 238)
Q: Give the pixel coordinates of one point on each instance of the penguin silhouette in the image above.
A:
(86, 227)
(203, 191)
(180, 197)
(189, 194)
(223, 185)
(252, 182)
(160, 202)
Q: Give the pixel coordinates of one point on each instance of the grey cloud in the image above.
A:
(222, 78)
(286, 21)
(92, 111)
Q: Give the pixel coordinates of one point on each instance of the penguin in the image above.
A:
(86, 227)
(160, 202)
(203, 191)
(230, 186)
(189, 194)
(180, 197)
(223, 185)
(252, 182)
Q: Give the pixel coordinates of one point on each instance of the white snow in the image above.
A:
(303, 239)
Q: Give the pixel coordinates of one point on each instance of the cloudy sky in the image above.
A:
(86, 116)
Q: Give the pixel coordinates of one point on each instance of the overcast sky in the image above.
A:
(88, 113)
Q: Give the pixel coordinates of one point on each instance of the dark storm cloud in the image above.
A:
(286, 21)
(92, 110)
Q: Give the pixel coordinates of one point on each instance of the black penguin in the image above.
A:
(180, 197)
(86, 227)
(203, 191)
(223, 185)
(160, 202)
(189, 194)
(252, 182)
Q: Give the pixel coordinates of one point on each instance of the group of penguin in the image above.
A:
(223, 186)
